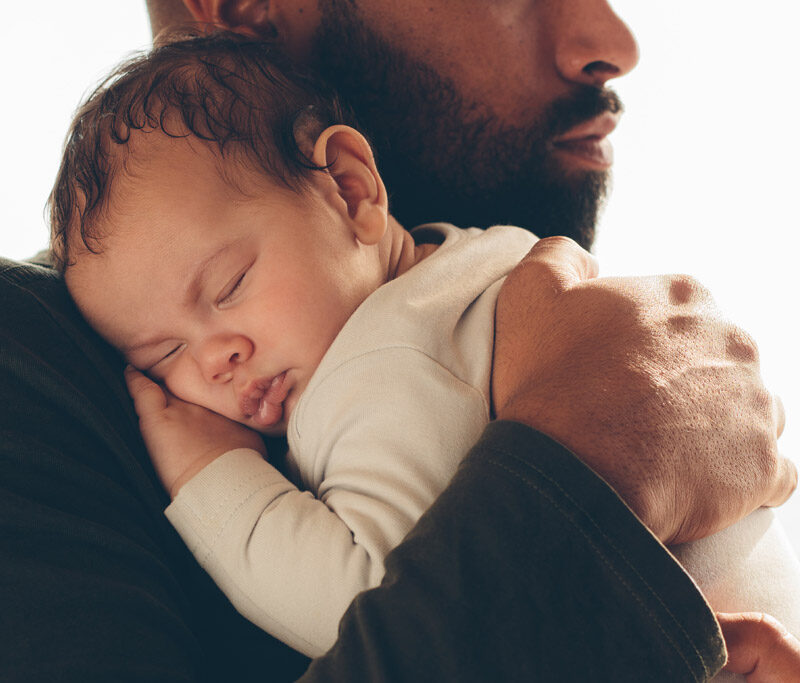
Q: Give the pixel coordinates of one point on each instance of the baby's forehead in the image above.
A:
(108, 287)
(154, 159)
(150, 152)
(169, 196)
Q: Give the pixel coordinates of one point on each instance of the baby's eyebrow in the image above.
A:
(191, 294)
(201, 273)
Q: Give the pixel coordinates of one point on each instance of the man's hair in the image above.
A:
(241, 95)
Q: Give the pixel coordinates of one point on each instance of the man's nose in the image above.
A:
(593, 45)
(219, 356)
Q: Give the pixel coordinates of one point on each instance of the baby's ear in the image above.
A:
(357, 189)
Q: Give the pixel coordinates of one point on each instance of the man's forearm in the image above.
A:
(528, 567)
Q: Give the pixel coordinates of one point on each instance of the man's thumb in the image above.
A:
(561, 263)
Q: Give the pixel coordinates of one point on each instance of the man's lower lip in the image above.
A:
(596, 153)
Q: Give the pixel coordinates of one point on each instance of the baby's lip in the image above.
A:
(260, 397)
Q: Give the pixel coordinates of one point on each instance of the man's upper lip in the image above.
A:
(596, 128)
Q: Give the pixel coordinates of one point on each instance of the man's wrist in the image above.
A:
(586, 501)
(525, 553)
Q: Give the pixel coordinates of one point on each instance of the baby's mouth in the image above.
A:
(263, 405)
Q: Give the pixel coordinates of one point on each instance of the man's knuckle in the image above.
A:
(683, 324)
(741, 346)
(559, 242)
(760, 397)
(791, 476)
(685, 289)
(767, 456)
(763, 409)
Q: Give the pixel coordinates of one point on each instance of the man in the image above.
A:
(97, 587)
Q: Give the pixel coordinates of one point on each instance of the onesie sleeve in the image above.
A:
(292, 562)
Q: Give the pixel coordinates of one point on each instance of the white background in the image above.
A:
(706, 156)
(707, 172)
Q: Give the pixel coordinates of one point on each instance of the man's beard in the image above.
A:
(447, 159)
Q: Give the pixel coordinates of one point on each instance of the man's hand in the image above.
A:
(760, 648)
(645, 382)
(181, 437)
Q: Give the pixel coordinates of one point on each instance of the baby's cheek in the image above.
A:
(185, 382)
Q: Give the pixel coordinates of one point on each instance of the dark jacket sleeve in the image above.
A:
(95, 585)
(527, 568)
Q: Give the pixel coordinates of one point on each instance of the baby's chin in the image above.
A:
(271, 422)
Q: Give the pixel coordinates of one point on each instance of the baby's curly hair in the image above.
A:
(239, 94)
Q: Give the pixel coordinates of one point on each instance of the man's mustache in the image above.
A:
(582, 105)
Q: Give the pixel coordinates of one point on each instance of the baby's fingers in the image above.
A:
(148, 397)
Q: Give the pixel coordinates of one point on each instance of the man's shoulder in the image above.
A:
(41, 324)
(28, 290)
(29, 272)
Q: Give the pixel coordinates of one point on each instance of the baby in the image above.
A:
(219, 221)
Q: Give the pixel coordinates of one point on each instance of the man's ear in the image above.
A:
(356, 187)
(292, 22)
(249, 17)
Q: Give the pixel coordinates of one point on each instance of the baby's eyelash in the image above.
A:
(227, 297)
(171, 353)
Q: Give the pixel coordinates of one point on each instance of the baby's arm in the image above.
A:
(267, 545)
(290, 562)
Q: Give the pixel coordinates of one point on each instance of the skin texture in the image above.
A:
(760, 648)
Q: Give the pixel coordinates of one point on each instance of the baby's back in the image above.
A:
(749, 567)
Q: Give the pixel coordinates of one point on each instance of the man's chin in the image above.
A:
(569, 207)
(576, 165)
(566, 201)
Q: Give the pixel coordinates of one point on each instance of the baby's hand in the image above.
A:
(182, 438)
(760, 648)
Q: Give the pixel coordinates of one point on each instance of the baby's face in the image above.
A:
(231, 302)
